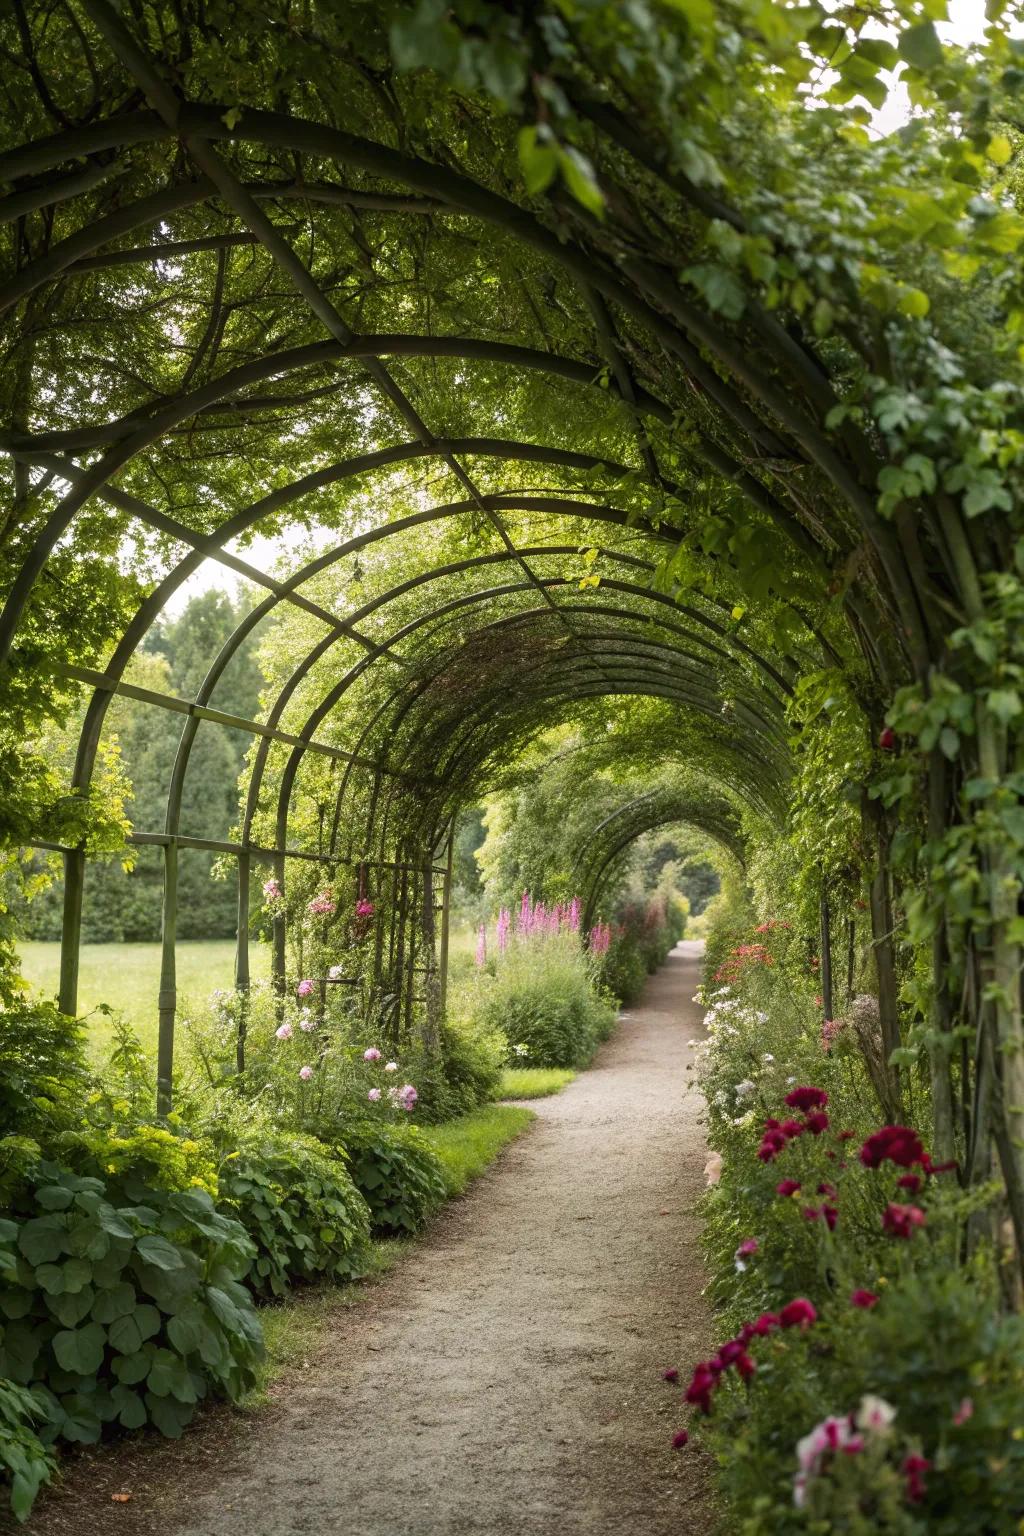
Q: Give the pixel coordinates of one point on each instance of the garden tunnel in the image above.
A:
(305, 284)
(494, 608)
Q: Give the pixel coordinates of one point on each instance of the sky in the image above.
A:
(966, 24)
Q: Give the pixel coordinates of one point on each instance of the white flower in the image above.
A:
(722, 1099)
(391, 1066)
(790, 1081)
(767, 1056)
(875, 1414)
(334, 972)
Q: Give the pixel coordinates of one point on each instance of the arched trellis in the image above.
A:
(648, 645)
(665, 805)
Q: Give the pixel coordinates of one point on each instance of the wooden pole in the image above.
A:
(71, 930)
(242, 958)
(826, 953)
(168, 996)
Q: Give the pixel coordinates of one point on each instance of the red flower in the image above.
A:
(745, 1367)
(729, 1353)
(702, 1384)
(911, 1181)
(914, 1468)
(930, 1167)
(787, 1187)
(900, 1220)
(899, 1144)
(816, 1122)
(887, 739)
(799, 1313)
(826, 1189)
(864, 1299)
(765, 1324)
(679, 1439)
(672, 1374)
(826, 1213)
(773, 1125)
(792, 1128)
(807, 1098)
(772, 1143)
(811, 1213)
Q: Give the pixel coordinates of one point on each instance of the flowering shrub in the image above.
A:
(543, 996)
(893, 1410)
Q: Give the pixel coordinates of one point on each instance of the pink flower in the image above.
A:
(305, 1073)
(481, 946)
(672, 1374)
(364, 908)
(799, 1313)
(271, 890)
(304, 988)
(407, 1096)
(679, 1439)
(748, 1246)
(807, 1098)
(900, 1220)
(373, 1095)
(864, 1299)
(306, 1023)
(323, 905)
(964, 1412)
(503, 928)
(285, 1032)
(787, 1187)
(372, 1054)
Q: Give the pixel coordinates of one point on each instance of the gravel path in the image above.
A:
(505, 1378)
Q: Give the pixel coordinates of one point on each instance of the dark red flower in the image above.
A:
(914, 1468)
(826, 1189)
(807, 1098)
(899, 1144)
(729, 1353)
(702, 1384)
(787, 1187)
(816, 1122)
(799, 1313)
(773, 1125)
(745, 1367)
(930, 1167)
(900, 1220)
(679, 1439)
(792, 1128)
(864, 1299)
(765, 1324)
(810, 1213)
(772, 1143)
(911, 1181)
(887, 739)
(831, 1216)
(672, 1374)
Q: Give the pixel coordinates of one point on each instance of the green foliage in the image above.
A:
(297, 1201)
(43, 1077)
(25, 1462)
(464, 1070)
(118, 1312)
(396, 1171)
(543, 998)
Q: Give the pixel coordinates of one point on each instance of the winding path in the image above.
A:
(505, 1378)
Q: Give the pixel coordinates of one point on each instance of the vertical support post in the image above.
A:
(826, 952)
(446, 909)
(242, 957)
(431, 988)
(168, 996)
(71, 930)
(280, 934)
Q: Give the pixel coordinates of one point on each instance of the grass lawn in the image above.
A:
(533, 1082)
(127, 976)
(467, 1145)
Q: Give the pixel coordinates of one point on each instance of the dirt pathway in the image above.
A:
(506, 1377)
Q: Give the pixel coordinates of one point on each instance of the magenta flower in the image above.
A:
(407, 1096)
(799, 1313)
(373, 1095)
(573, 915)
(285, 1032)
(304, 988)
(271, 890)
(364, 908)
(305, 1073)
(372, 1054)
(787, 1187)
(481, 947)
(504, 926)
(679, 1439)
(807, 1098)
(323, 905)
(900, 1220)
(864, 1299)
(671, 1374)
(523, 924)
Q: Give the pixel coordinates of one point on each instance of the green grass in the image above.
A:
(127, 976)
(467, 1145)
(533, 1082)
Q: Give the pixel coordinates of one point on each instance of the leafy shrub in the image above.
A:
(122, 1312)
(43, 1075)
(463, 1073)
(25, 1461)
(141, 1158)
(543, 998)
(297, 1201)
(395, 1170)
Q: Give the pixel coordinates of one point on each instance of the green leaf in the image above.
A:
(43, 1239)
(920, 46)
(54, 1197)
(119, 1301)
(168, 1414)
(169, 1376)
(719, 287)
(578, 175)
(81, 1423)
(156, 1250)
(133, 1368)
(1004, 703)
(70, 1309)
(538, 159)
(80, 1350)
(131, 1409)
